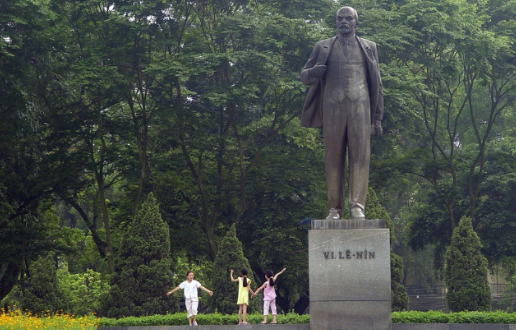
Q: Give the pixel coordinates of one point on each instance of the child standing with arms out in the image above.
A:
(269, 295)
(244, 286)
(191, 299)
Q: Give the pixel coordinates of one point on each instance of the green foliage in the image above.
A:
(206, 115)
(82, 291)
(442, 125)
(430, 317)
(466, 271)
(494, 222)
(225, 292)
(143, 272)
(201, 270)
(13, 298)
(497, 317)
(41, 292)
(399, 295)
(202, 319)
(268, 230)
(507, 296)
(374, 210)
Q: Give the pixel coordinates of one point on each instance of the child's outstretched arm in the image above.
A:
(209, 291)
(275, 276)
(172, 291)
(258, 290)
(233, 279)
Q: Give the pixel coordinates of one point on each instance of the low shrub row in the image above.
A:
(18, 320)
(202, 319)
(499, 317)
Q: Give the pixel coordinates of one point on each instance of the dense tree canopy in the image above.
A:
(198, 102)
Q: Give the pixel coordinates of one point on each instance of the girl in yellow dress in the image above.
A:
(244, 286)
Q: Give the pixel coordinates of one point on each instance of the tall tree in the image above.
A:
(25, 173)
(497, 204)
(281, 195)
(242, 91)
(461, 74)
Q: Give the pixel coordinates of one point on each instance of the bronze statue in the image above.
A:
(346, 99)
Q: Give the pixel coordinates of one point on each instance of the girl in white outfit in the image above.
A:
(191, 299)
(269, 295)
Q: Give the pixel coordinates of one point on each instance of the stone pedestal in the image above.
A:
(349, 275)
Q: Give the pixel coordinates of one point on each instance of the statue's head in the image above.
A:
(347, 21)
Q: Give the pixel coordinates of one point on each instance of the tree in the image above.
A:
(143, 268)
(280, 196)
(41, 292)
(26, 178)
(496, 212)
(239, 90)
(466, 271)
(225, 292)
(452, 77)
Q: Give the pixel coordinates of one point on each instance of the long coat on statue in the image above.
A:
(312, 109)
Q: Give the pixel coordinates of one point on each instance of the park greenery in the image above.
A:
(138, 138)
(19, 321)
(230, 256)
(143, 268)
(466, 270)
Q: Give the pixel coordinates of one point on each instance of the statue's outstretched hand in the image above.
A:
(318, 70)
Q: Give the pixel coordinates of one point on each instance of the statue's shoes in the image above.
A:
(357, 214)
(334, 215)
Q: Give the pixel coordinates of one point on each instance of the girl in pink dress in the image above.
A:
(269, 295)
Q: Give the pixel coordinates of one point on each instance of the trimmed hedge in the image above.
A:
(497, 317)
(203, 319)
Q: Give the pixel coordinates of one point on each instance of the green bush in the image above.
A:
(42, 293)
(202, 319)
(498, 317)
(466, 271)
(399, 297)
(82, 291)
(143, 272)
(225, 293)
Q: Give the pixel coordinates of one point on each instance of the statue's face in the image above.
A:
(346, 21)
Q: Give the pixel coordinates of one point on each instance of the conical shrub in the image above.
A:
(143, 272)
(41, 293)
(225, 293)
(466, 271)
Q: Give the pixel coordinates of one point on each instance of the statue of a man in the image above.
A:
(346, 100)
